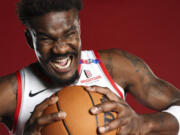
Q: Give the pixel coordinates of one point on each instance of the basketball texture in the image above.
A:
(76, 102)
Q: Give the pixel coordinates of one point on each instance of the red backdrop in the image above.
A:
(148, 29)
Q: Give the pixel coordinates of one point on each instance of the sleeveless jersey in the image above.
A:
(32, 89)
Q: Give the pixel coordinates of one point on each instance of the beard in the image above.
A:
(55, 81)
(66, 82)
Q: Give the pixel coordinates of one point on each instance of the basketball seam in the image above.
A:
(97, 123)
(57, 104)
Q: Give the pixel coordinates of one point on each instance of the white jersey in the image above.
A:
(32, 88)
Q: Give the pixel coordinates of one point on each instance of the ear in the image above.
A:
(79, 25)
(29, 38)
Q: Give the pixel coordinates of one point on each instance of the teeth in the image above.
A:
(62, 60)
(66, 60)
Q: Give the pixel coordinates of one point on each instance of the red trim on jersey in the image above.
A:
(107, 74)
(19, 96)
(79, 68)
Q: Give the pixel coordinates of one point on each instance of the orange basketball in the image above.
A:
(76, 102)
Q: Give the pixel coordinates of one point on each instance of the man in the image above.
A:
(53, 31)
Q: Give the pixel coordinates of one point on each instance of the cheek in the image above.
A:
(78, 38)
(42, 52)
(76, 41)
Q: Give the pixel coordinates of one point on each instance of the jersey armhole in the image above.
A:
(107, 74)
(19, 97)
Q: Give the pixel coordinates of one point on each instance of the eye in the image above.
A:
(45, 38)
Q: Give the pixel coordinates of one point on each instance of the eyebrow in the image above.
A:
(44, 34)
(49, 36)
(70, 29)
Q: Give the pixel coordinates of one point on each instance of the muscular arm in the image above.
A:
(136, 78)
(8, 88)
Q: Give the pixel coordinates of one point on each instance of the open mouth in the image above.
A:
(62, 64)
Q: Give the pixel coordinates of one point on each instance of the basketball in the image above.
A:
(76, 102)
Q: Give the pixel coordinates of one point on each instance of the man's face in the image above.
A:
(57, 44)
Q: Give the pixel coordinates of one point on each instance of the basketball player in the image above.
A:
(53, 32)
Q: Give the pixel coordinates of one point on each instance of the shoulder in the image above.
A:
(124, 67)
(117, 58)
(119, 55)
(9, 82)
(8, 88)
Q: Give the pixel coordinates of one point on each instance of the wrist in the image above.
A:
(159, 123)
(146, 124)
(175, 112)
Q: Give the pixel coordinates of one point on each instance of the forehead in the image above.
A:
(55, 21)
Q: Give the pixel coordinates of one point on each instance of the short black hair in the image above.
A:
(27, 9)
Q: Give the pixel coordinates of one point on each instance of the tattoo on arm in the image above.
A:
(109, 66)
(139, 67)
(131, 58)
(107, 60)
(154, 92)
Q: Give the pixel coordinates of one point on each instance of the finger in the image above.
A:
(110, 126)
(103, 90)
(39, 109)
(107, 107)
(47, 102)
(50, 118)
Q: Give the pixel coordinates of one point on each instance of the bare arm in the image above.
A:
(8, 89)
(136, 78)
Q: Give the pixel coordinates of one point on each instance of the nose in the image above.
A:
(60, 47)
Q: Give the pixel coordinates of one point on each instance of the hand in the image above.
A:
(127, 121)
(37, 120)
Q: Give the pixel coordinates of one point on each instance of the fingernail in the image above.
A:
(102, 129)
(62, 114)
(54, 98)
(94, 110)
